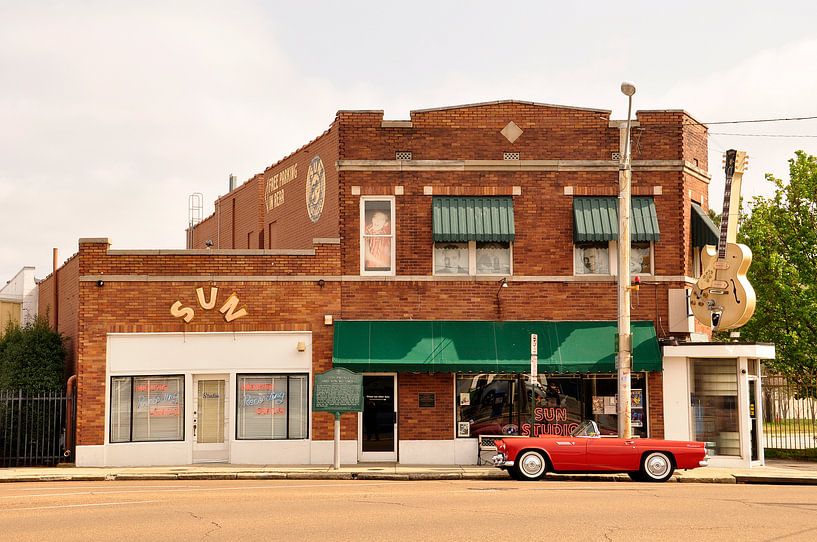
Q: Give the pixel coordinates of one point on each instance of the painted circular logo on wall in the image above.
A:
(315, 188)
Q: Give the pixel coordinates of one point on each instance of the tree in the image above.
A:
(32, 358)
(782, 232)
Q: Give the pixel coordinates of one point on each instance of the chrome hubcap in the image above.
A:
(532, 464)
(658, 466)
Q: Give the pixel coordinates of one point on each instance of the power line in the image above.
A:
(759, 120)
(759, 135)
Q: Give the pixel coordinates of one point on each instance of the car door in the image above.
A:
(611, 454)
(567, 453)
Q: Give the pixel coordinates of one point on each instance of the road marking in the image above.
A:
(75, 506)
(191, 489)
(57, 488)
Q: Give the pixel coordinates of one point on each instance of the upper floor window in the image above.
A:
(473, 258)
(473, 235)
(377, 236)
(595, 235)
(601, 258)
(592, 258)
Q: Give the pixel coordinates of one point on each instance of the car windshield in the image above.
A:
(587, 428)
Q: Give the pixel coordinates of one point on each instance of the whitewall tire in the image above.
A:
(530, 465)
(656, 467)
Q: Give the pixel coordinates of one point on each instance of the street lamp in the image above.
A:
(625, 340)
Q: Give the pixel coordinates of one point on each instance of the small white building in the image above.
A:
(712, 393)
(18, 298)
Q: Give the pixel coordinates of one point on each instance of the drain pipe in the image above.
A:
(69, 415)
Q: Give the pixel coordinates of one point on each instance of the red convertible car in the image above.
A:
(586, 451)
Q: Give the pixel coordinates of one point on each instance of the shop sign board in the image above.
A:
(338, 390)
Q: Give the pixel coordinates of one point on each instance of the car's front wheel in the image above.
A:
(656, 467)
(530, 465)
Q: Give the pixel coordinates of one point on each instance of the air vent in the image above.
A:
(616, 156)
(402, 155)
(510, 156)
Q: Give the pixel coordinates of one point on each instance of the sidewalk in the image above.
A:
(775, 472)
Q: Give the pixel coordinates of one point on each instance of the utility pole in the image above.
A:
(624, 361)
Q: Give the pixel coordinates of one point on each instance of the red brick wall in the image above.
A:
(655, 385)
(145, 307)
(66, 313)
(417, 423)
(295, 227)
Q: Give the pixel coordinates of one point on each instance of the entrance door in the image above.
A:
(210, 419)
(377, 424)
(753, 413)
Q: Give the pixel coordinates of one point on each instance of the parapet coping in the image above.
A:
(500, 102)
(490, 279)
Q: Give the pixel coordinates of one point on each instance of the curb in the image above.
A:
(390, 476)
(775, 480)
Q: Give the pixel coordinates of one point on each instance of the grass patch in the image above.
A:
(809, 454)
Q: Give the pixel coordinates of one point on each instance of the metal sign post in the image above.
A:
(534, 370)
(338, 390)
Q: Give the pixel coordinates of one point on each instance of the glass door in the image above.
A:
(377, 424)
(210, 420)
(753, 429)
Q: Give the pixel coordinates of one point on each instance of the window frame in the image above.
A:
(612, 259)
(307, 412)
(472, 259)
(393, 236)
(182, 413)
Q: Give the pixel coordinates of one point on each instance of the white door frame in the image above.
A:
(377, 456)
(212, 452)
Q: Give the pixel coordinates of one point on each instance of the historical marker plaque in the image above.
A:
(427, 400)
(338, 390)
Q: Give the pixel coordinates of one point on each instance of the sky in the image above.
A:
(112, 112)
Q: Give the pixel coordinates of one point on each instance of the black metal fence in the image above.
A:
(33, 428)
(790, 412)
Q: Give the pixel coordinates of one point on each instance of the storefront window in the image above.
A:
(272, 407)
(493, 404)
(147, 408)
(714, 389)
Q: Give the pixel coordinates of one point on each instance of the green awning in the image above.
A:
(704, 231)
(488, 347)
(461, 219)
(596, 219)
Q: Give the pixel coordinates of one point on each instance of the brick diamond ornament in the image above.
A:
(511, 131)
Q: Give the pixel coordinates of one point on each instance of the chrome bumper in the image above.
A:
(499, 461)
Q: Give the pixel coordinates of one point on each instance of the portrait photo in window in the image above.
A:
(493, 258)
(451, 258)
(640, 258)
(591, 259)
(378, 234)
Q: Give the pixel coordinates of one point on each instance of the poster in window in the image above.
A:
(610, 405)
(377, 236)
(637, 418)
(598, 405)
(636, 399)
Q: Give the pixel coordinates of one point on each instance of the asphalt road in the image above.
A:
(293, 510)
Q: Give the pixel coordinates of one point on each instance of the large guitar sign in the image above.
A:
(723, 298)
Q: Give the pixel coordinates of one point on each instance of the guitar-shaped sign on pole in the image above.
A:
(723, 298)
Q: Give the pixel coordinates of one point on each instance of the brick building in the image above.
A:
(422, 253)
